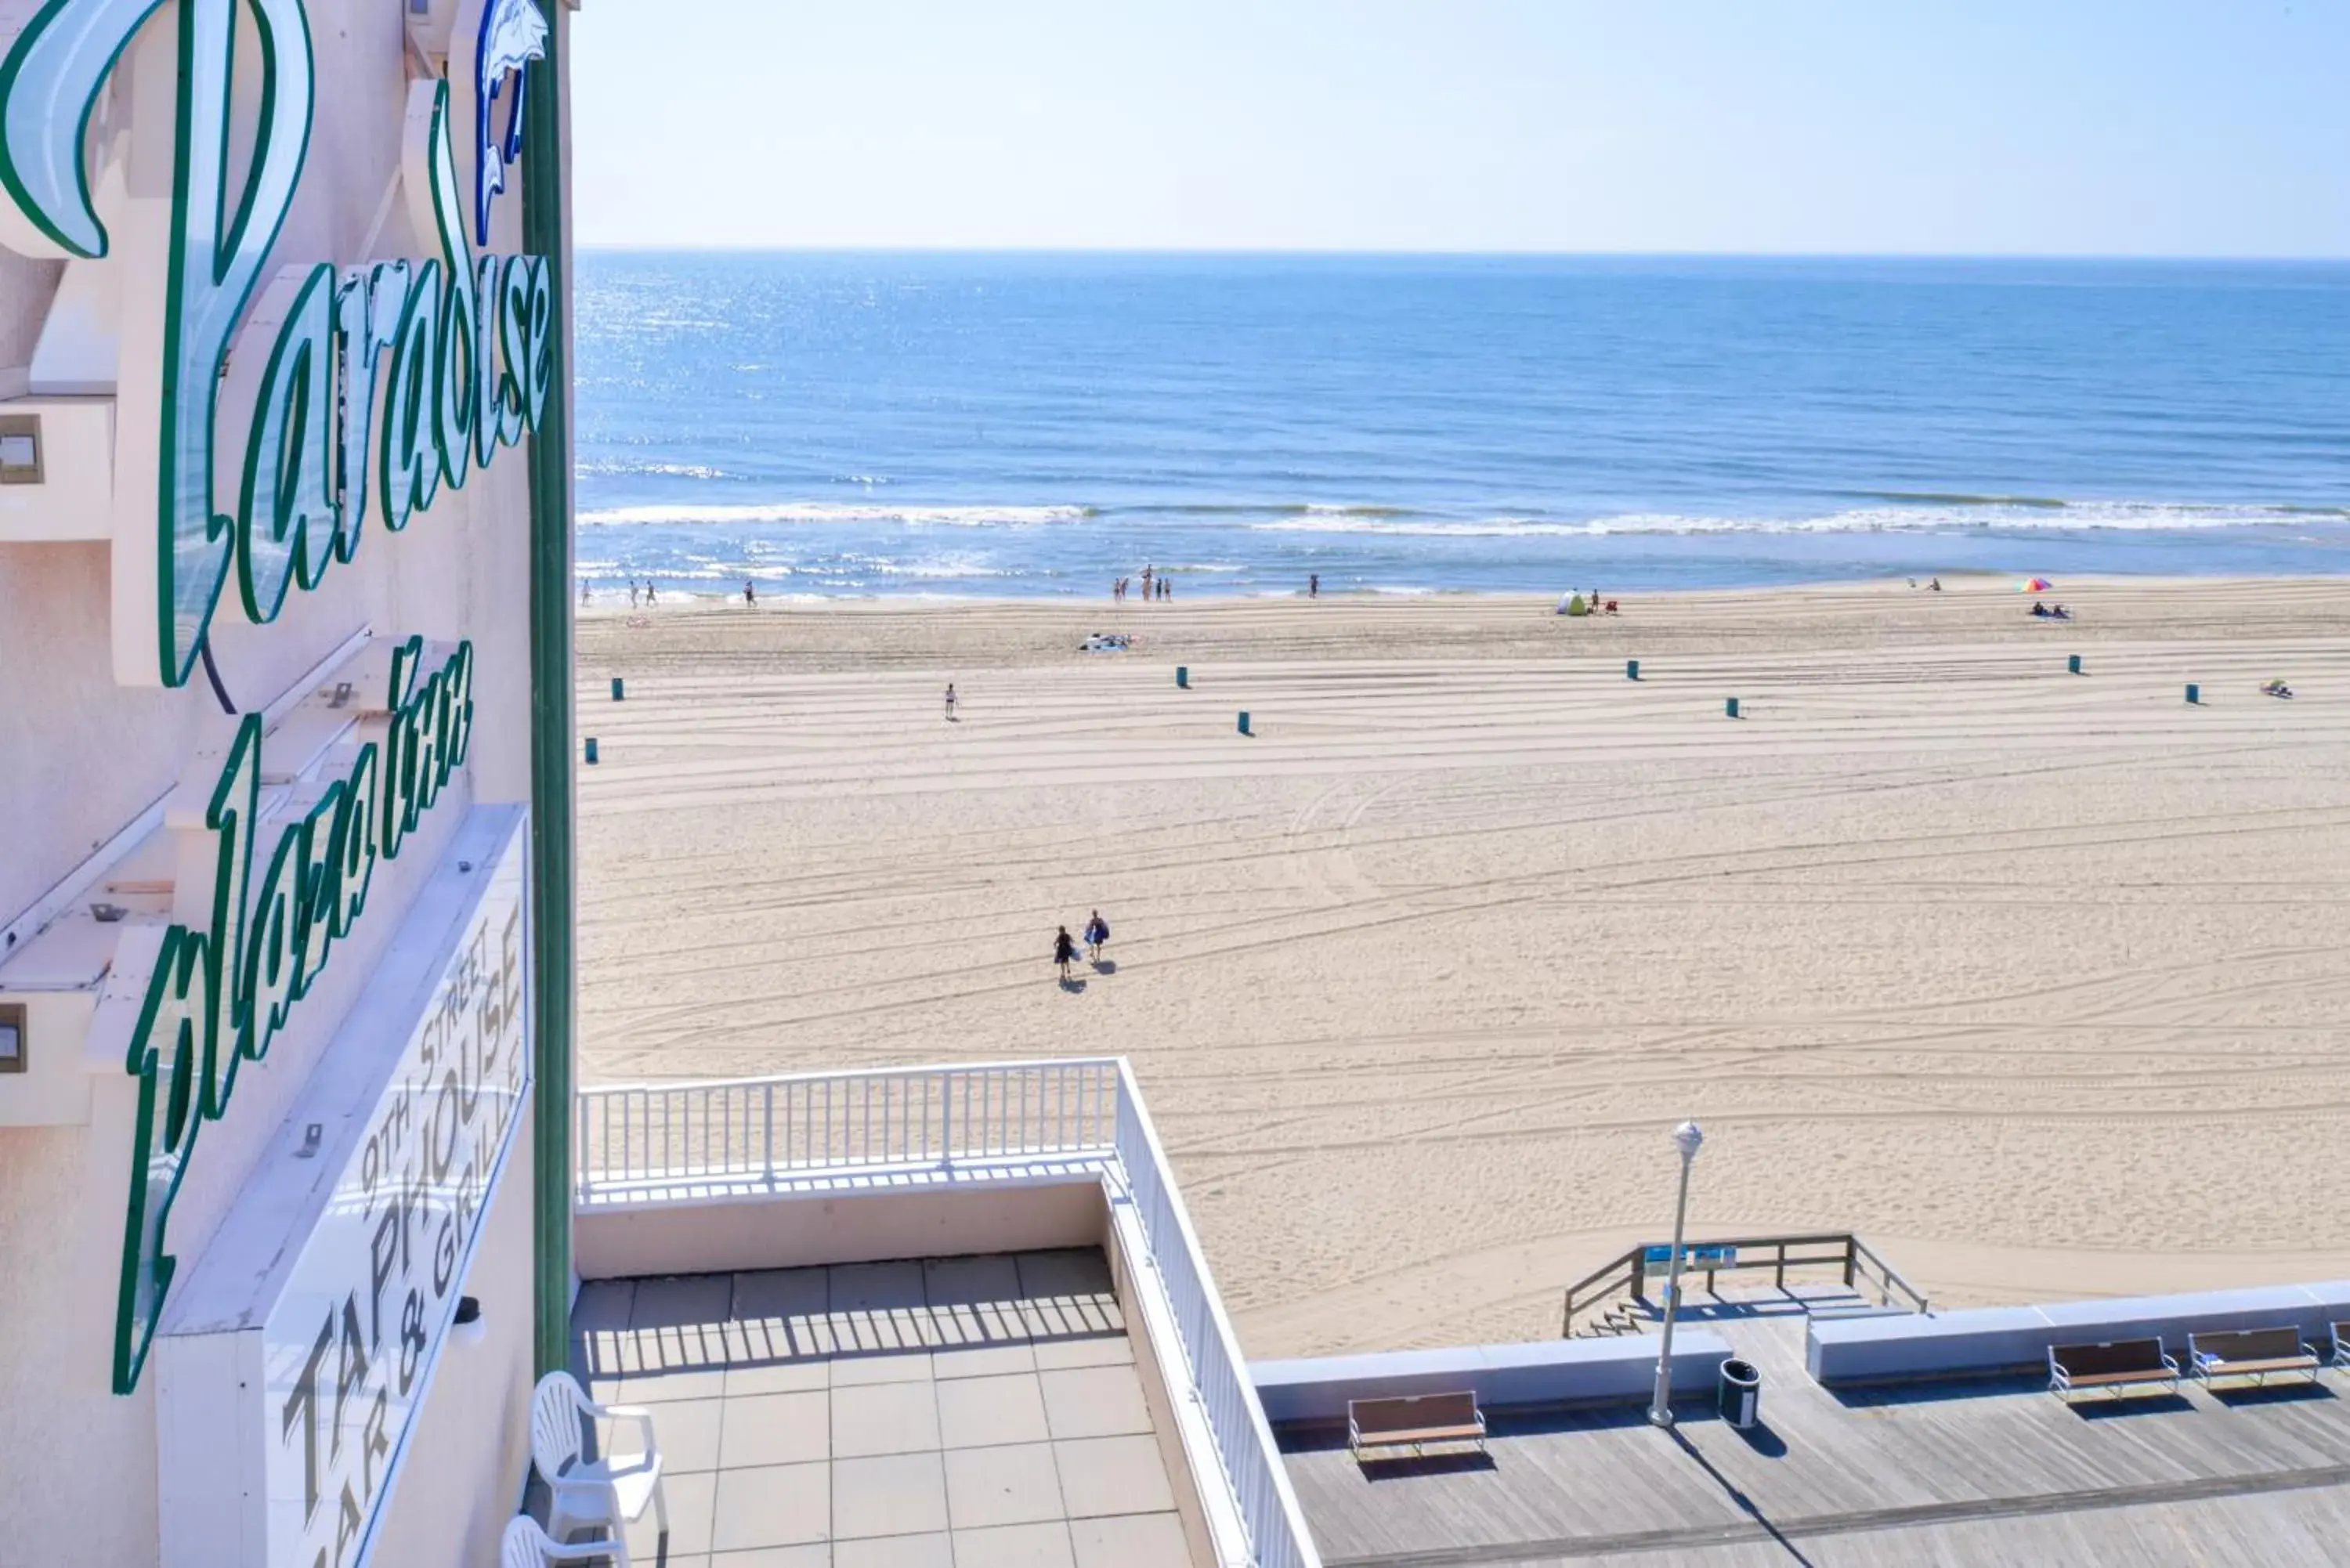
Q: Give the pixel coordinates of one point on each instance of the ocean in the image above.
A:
(956, 425)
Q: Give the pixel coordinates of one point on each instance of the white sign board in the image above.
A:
(319, 1372)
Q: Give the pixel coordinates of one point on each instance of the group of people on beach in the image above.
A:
(1064, 947)
(1161, 587)
(586, 594)
(1154, 587)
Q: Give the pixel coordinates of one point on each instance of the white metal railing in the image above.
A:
(634, 1141)
(636, 1135)
(1244, 1440)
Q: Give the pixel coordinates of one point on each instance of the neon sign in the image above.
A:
(513, 34)
(277, 422)
(219, 995)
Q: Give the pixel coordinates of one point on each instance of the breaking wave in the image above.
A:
(690, 516)
(1925, 514)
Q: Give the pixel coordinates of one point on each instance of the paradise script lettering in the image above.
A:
(284, 430)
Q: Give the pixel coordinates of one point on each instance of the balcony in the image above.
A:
(920, 1315)
(962, 1409)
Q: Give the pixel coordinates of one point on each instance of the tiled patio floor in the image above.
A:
(976, 1412)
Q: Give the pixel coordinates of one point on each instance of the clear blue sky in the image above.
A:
(2048, 127)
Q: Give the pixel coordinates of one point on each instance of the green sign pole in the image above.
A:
(553, 903)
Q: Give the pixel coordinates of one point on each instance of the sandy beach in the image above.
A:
(2034, 980)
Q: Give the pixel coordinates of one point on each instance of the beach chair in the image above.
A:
(525, 1545)
(2341, 1332)
(2118, 1366)
(610, 1491)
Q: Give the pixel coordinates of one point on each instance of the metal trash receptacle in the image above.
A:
(1742, 1394)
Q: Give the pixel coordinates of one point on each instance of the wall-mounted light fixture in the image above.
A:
(13, 1044)
(20, 449)
(468, 1328)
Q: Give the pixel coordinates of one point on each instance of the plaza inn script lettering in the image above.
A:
(285, 403)
(218, 995)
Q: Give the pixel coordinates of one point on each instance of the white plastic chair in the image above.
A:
(610, 1491)
(525, 1545)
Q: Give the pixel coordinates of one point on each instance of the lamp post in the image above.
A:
(1686, 1138)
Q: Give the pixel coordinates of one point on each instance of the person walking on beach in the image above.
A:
(1064, 953)
(749, 594)
(1097, 933)
(950, 718)
(1313, 585)
(1145, 582)
(1167, 588)
(632, 593)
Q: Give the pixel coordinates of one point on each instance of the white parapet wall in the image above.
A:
(1989, 1340)
(808, 1225)
(1619, 1370)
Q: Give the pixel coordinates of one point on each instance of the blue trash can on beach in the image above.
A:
(1183, 676)
(591, 751)
(618, 692)
(1244, 729)
(1631, 669)
(1731, 707)
(2194, 693)
(2073, 663)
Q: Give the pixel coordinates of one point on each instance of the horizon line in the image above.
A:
(1336, 252)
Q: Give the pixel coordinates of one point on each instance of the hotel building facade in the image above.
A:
(283, 481)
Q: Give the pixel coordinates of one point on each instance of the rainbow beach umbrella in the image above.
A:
(2036, 586)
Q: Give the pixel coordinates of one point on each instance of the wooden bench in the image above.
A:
(1414, 1421)
(2257, 1353)
(2116, 1366)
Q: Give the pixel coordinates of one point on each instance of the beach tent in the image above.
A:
(2036, 586)
(1573, 605)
